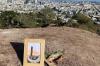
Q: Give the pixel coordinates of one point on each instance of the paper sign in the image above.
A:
(34, 52)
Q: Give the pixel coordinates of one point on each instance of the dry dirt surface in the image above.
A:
(81, 48)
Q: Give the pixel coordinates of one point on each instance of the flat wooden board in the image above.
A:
(34, 50)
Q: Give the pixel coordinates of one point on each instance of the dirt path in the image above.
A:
(82, 48)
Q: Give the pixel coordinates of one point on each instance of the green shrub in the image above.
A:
(81, 18)
(72, 23)
(47, 13)
(42, 23)
(59, 22)
(27, 20)
(11, 19)
(7, 19)
(98, 31)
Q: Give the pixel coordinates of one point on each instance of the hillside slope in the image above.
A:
(82, 48)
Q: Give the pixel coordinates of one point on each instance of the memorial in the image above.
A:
(34, 50)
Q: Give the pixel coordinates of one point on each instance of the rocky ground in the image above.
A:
(81, 48)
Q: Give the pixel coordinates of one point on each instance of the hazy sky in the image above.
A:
(93, 0)
(79, 0)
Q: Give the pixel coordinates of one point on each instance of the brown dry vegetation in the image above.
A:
(82, 48)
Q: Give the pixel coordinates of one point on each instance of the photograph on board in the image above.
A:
(34, 52)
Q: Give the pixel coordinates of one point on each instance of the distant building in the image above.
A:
(30, 1)
(9, 1)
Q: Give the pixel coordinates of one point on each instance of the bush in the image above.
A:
(42, 23)
(11, 19)
(82, 19)
(48, 13)
(59, 22)
(72, 23)
(98, 31)
(7, 19)
(26, 20)
(84, 22)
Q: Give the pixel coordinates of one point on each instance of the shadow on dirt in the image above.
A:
(19, 48)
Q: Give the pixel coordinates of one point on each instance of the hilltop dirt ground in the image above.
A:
(82, 48)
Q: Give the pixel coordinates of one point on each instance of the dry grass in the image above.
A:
(82, 48)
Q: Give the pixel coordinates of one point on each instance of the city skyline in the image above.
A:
(75, 0)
